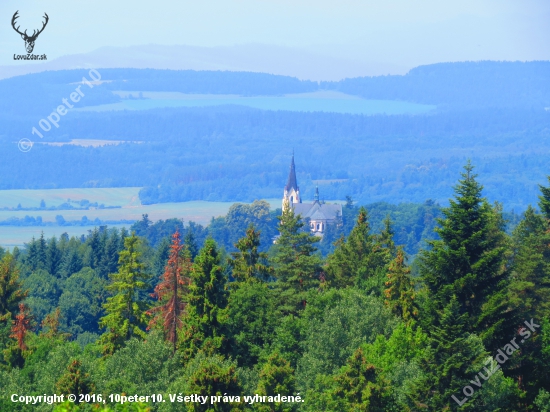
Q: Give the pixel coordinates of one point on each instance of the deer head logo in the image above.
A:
(29, 40)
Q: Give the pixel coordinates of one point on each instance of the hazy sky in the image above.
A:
(395, 33)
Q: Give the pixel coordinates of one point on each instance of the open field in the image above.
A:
(320, 101)
(126, 197)
(118, 196)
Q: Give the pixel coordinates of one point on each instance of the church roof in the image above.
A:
(291, 182)
(317, 211)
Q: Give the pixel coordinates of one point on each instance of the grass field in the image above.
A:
(126, 197)
(321, 101)
(121, 196)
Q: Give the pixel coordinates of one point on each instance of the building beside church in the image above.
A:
(319, 214)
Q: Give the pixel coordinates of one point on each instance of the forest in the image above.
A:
(491, 112)
(255, 313)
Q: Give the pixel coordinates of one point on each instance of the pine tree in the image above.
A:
(468, 260)
(207, 299)
(170, 291)
(400, 294)
(297, 266)
(357, 258)
(248, 263)
(125, 313)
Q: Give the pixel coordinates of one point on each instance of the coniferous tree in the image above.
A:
(297, 266)
(125, 313)
(451, 362)
(400, 294)
(162, 254)
(355, 387)
(544, 200)
(109, 262)
(75, 381)
(170, 291)
(53, 257)
(528, 297)
(468, 260)
(357, 258)
(21, 326)
(276, 377)
(11, 295)
(207, 299)
(191, 243)
(249, 264)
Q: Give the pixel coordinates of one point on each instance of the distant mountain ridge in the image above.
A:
(279, 60)
(466, 85)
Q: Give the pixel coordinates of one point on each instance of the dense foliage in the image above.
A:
(357, 330)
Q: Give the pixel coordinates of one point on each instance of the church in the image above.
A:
(318, 213)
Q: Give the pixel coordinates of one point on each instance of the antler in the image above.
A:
(13, 21)
(35, 35)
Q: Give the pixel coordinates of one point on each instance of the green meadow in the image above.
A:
(125, 197)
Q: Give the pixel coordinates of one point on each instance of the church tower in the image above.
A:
(291, 194)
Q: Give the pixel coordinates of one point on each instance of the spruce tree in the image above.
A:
(528, 297)
(207, 298)
(297, 266)
(359, 257)
(53, 257)
(400, 294)
(190, 241)
(125, 314)
(468, 260)
(544, 200)
(170, 292)
(453, 359)
(249, 264)
(276, 377)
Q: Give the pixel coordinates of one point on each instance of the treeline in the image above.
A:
(465, 84)
(352, 331)
(60, 221)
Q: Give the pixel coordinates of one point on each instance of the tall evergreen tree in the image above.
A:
(297, 266)
(357, 258)
(190, 241)
(400, 294)
(249, 264)
(11, 295)
(125, 313)
(528, 297)
(468, 261)
(453, 359)
(53, 257)
(170, 291)
(204, 321)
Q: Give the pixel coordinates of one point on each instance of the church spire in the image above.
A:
(291, 182)
(316, 198)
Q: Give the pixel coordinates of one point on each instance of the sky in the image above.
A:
(382, 37)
